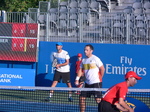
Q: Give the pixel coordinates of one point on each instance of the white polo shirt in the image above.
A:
(61, 58)
(91, 67)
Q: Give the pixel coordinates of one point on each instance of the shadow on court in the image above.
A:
(25, 106)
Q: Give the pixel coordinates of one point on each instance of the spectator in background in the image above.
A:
(62, 71)
(113, 99)
(94, 71)
(77, 66)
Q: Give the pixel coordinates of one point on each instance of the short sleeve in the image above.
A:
(67, 55)
(122, 92)
(99, 63)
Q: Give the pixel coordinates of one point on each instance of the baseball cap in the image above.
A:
(132, 74)
(59, 43)
(79, 55)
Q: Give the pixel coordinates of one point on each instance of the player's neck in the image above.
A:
(59, 50)
(89, 55)
(128, 83)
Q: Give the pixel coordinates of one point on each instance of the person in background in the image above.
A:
(62, 71)
(77, 66)
(113, 99)
(94, 71)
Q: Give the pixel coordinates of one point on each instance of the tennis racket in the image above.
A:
(54, 63)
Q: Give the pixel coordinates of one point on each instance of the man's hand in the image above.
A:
(76, 82)
(57, 66)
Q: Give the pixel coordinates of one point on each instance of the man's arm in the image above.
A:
(124, 105)
(78, 76)
(121, 108)
(102, 70)
(63, 64)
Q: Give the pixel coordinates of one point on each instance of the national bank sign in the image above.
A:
(7, 78)
(17, 77)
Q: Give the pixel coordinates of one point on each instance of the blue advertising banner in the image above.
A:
(117, 59)
(17, 77)
(139, 105)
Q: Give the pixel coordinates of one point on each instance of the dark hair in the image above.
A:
(89, 45)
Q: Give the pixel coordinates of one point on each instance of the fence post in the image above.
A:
(80, 27)
(4, 16)
(128, 29)
(47, 27)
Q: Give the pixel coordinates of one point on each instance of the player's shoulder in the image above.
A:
(83, 60)
(64, 52)
(54, 53)
(122, 84)
(95, 57)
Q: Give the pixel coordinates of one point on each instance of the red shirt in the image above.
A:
(114, 93)
(78, 65)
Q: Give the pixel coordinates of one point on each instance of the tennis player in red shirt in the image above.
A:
(113, 99)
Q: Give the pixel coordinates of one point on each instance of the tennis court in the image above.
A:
(16, 100)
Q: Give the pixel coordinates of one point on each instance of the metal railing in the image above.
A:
(120, 28)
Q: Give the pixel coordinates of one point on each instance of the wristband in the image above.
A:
(77, 78)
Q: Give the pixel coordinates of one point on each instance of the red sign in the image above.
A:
(22, 45)
(31, 45)
(32, 30)
(18, 30)
(19, 44)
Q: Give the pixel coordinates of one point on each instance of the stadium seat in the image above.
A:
(42, 19)
(140, 30)
(63, 14)
(128, 10)
(73, 15)
(83, 1)
(148, 21)
(53, 18)
(94, 6)
(72, 27)
(140, 33)
(146, 5)
(147, 13)
(106, 31)
(83, 4)
(62, 21)
(118, 32)
(73, 4)
(139, 19)
(53, 13)
(73, 18)
(122, 2)
(103, 6)
(137, 5)
(62, 28)
(138, 11)
(63, 4)
(73, 22)
(118, 17)
(84, 15)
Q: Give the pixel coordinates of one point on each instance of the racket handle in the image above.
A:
(80, 85)
(46, 69)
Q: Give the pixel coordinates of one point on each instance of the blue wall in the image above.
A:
(15, 73)
(117, 59)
